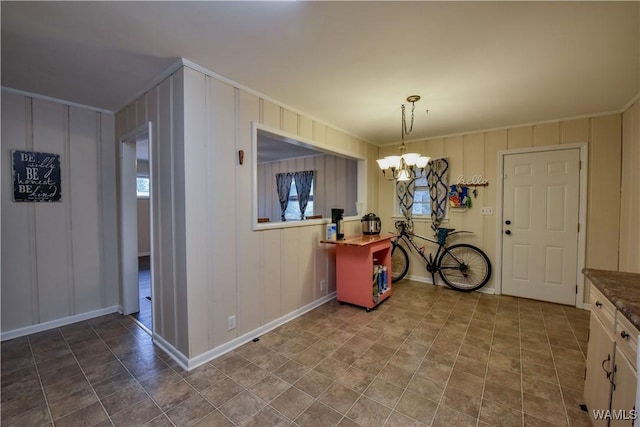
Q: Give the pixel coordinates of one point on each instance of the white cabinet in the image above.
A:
(624, 391)
(597, 387)
(611, 377)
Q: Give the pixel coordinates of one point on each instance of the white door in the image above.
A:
(540, 225)
(129, 228)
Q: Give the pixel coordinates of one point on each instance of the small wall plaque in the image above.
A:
(36, 177)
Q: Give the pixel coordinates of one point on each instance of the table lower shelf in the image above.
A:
(375, 301)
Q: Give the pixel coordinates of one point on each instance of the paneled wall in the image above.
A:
(58, 259)
(335, 184)
(219, 267)
(630, 191)
(477, 154)
(163, 106)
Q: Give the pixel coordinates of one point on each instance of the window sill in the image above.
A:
(299, 223)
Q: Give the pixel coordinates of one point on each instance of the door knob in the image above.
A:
(507, 222)
(508, 232)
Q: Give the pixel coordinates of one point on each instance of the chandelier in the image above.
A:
(406, 166)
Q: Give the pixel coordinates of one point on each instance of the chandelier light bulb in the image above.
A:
(404, 175)
(394, 161)
(411, 158)
(422, 162)
(383, 163)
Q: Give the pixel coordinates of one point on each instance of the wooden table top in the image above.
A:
(362, 239)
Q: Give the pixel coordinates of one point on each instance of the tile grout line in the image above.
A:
(486, 372)
(555, 368)
(44, 394)
(375, 377)
(126, 369)
(522, 417)
(455, 359)
(412, 376)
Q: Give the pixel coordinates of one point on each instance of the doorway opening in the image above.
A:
(136, 215)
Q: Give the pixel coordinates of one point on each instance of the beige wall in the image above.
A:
(59, 259)
(217, 266)
(477, 154)
(630, 191)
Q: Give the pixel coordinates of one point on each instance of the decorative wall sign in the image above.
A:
(36, 177)
(476, 180)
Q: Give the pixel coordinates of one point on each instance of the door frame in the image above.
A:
(128, 227)
(582, 211)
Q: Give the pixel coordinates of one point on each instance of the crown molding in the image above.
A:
(56, 100)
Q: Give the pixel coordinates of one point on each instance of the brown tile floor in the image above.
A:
(427, 356)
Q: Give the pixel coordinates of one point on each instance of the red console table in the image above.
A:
(355, 260)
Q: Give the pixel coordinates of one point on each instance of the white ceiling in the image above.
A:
(477, 65)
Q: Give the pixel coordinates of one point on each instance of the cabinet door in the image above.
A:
(597, 387)
(624, 393)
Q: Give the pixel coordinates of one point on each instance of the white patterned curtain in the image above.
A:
(405, 190)
(283, 184)
(438, 181)
(304, 181)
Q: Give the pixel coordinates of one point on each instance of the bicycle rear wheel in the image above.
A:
(399, 262)
(464, 267)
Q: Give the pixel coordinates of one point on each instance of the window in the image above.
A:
(421, 198)
(142, 186)
(293, 208)
(277, 151)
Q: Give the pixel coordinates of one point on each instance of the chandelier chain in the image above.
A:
(406, 166)
(404, 121)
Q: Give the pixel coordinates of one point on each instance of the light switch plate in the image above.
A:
(486, 210)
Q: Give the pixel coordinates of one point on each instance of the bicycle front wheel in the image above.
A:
(464, 267)
(399, 262)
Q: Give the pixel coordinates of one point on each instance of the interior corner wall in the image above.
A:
(211, 265)
(630, 191)
(477, 154)
(58, 258)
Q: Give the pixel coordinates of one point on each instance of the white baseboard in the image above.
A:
(28, 330)
(173, 352)
(484, 290)
(422, 279)
(189, 364)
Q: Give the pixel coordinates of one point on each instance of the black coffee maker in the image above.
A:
(337, 217)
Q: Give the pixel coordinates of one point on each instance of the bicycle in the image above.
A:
(462, 267)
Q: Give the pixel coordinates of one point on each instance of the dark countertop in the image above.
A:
(622, 289)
